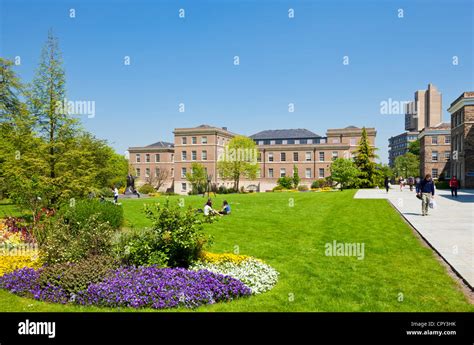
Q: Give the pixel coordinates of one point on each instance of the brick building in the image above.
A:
(462, 139)
(278, 152)
(435, 150)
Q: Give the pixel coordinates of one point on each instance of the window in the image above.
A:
(270, 172)
(193, 155)
(278, 142)
(204, 155)
(183, 187)
(137, 172)
(321, 172)
(147, 172)
(434, 140)
(284, 142)
(297, 142)
(172, 172)
(183, 155)
(157, 157)
(321, 156)
(184, 140)
(282, 156)
(157, 172)
(334, 155)
(447, 156)
(194, 140)
(172, 157)
(448, 173)
(147, 158)
(447, 139)
(308, 156)
(203, 140)
(282, 172)
(353, 141)
(270, 157)
(259, 157)
(260, 142)
(308, 173)
(434, 156)
(137, 158)
(295, 156)
(183, 172)
(434, 173)
(310, 141)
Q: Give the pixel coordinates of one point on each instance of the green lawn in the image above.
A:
(292, 240)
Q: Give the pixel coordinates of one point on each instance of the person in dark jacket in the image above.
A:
(386, 183)
(426, 189)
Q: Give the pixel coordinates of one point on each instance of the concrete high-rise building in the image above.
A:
(462, 139)
(425, 110)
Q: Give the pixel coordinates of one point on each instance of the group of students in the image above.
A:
(208, 210)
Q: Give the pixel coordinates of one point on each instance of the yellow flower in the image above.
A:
(219, 258)
(10, 263)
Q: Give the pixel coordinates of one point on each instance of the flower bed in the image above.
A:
(254, 273)
(134, 287)
(10, 263)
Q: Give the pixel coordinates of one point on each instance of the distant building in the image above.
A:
(398, 145)
(425, 110)
(462, 139)
(278, 151)
(435, 151)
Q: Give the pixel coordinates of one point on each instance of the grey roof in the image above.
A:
(352, 127)
(299, 133)
(161, 144)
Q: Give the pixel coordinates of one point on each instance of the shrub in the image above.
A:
(146, 189)
(82, 210)
(106, 192)
(286, 182)
(75, 277)
(303, 188)
(277, 188)
(224, 190)
(140, 248)
(65, 241)
(179, 233)
(255, 274)
(442, 184)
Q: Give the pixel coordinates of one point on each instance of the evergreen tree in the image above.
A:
(296, 176)
(364, 161)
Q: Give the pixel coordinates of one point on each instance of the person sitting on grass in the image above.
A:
(225, 208)
(208, 210)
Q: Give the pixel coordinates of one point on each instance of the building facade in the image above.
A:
(462, 139)
(398, 145)
(424, 112)
(435, 151)
(279, 151)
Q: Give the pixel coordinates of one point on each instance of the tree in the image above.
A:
(344, 172)
(198, 178)
(414, 147)
(159, 179)
(285, 182)
(238, 160)
(55, 127)
(407, 165)
(364, 161)
(296, 176)
(383, 171)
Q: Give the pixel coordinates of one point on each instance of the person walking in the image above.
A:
(411, 181)
(386, 183)
(454, 185)
(426, 190)
(401, 182)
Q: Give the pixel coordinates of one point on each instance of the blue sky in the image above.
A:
(282, 61)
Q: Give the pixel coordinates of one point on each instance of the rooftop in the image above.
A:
(161, 144)
(299, 133)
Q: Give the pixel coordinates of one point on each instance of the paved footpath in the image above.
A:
(449, 228)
